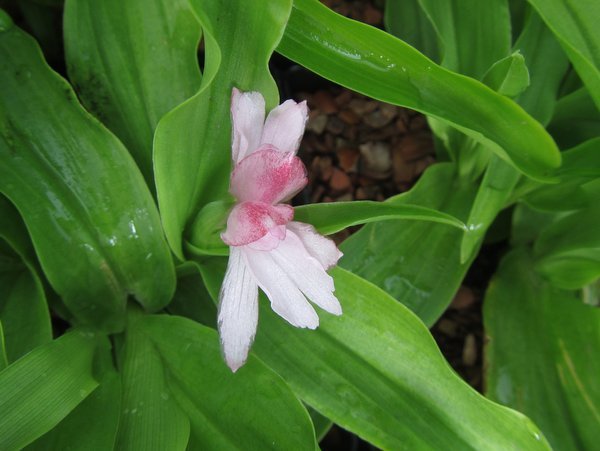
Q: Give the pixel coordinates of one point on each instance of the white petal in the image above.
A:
(306, 273)
(248, 116)
(286, 299)
(321, 248)
(238, 310)
(284, 126)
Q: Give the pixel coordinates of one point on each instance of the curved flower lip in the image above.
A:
(250, 221)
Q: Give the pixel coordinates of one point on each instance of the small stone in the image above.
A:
(344, 97)
(317, 124)
(376, 158)
(401, 125)
(381, 116)
(419, 123)
(335, 125)
(362, 106)
(469, 352)
(348, 159)
(349, 117)
(415, 146)
(348, 197)
(324, 102)
(340, 181)
(317, 193)
(371, 15)
(404, 171)
(463, 299)
(322, 167)
(447, 327)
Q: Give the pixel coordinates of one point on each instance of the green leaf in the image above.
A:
(508, 76)
(130, 69)
(546, 64)
(192, 143)
(251, 409)
(472, 34)
(93, 423)
(374, 63)
(39, 390)
(575, 25)
(191, 298)
(332, 217)
(3, 357)
(23, 308)
(90, 215)
(493, 193)
(150, 418)
(568, 251)
(542, 354)
(377, 359)
(417, 263)
(405, 19)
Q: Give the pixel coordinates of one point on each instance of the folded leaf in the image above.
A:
(193, 142)
(129, 68)
(90, 215)
(508, 76)
(374, 63)
(542, 354)
(39, 390)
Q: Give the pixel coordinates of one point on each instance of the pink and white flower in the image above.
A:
(287, 260)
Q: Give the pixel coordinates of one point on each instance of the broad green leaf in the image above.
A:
(575, 25)
(542, 354)
(23, 308)
(321, 424)
(377, 359)
(150, 418)
(335, 216)
(472, 34)
(417, 263)
(374, 63)
(546, 64)
(508, 76)
(568, 251)
(191, 298)
(131, 62)
(92, 425)
(576, 119)
(405, 19)
(3, 357)
(193, 142)
(90, 215)
(251, 409)
(40, 389)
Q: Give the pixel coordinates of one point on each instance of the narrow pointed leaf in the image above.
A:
(39, 390)
(508, 76)
(193, 142)
(90, 215)
(332, 217)
(374, 63)
(542, 354)
(130, 68)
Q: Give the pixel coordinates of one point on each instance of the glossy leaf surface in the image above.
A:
(417, 263)
(541, 357)
(575, 25)
(39, 390)
(377, 359)
(130, 68)
(374, 63)
(193, 142)
(251, 409)
(91, 217)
